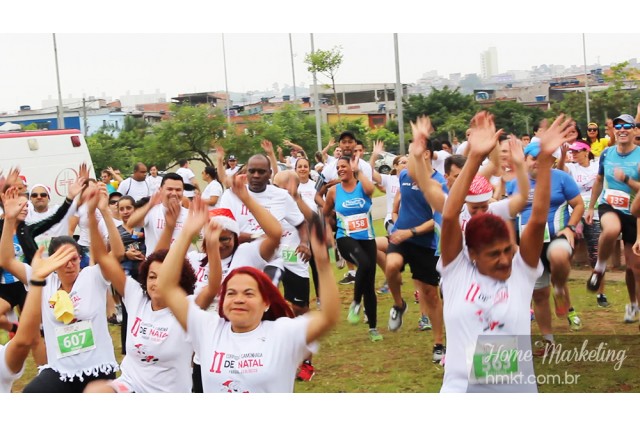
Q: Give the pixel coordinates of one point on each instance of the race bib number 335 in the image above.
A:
(75, 338)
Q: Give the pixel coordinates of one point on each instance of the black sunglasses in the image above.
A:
(43, 195)
(113, 202)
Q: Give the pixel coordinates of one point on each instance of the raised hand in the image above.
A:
(554, 136)
(378, 147)
(103, 194)
(420, 130)
(515, 148)
(13, 203)
(91, 198)
(172, 213)
(43, 267)
(239, 186)
(79, 183)
(355, 163)
(267, 146)
(212, 233)
(197, 217)
(279, 149)
(332, 142)
(483, 136)
(219, 150)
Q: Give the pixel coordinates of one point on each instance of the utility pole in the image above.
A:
(60, 107)
(316, 104)
(84, 115)
(586, 79)
(293, 70)
(399, 96)
(226, 86)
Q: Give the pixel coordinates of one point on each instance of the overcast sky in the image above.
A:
(114, 52)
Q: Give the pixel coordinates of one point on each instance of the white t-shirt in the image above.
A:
(135, 189)
(391, 184)
(330, 171)
(438, 164)
(153, 182)
(477, 306)
(212, 189)
(287, 250)
(585, 178)
(264, 360)
(154, 223)
(159, 354)
(499, 208)
(186, 175)
(231, 171)
(6, 376)
(83, 225)
(89, 298)
(308, 193)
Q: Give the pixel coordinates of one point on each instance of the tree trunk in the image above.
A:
(335, 97)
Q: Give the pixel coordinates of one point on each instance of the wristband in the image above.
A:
(40, 283)
(626, 179)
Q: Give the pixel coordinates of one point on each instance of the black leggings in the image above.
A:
(363, 254)
(48, 381)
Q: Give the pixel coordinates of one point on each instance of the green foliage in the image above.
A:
(440, 106)
(327, 63)
(515, 117)
(390, 139)
(358, 127)
(107, 150)
(619, 74)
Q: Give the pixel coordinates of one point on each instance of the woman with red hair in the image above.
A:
(488, 285)
(253, 343)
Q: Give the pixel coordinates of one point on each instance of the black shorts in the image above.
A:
(14, 293)
(628, 223)
(421, 260)
(296, 289)
(545, 247)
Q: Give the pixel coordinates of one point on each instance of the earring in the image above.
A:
(266, 309)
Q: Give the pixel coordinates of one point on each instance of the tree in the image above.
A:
(439, 105)
(515, 117)
(326, 62)
(187, 135)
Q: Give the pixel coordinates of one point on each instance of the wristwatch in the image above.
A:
(626, 179)
(413, 231)
(572, 228)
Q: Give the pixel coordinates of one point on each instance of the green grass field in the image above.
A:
(349, 363)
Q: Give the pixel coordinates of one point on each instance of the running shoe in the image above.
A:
(594, 281)
(575, 324)
(354, 313)
(602, 301)
(439, 351)
(395, 316)
(384, 289)
(630, 313)
(348, 279)
(543, 348)
(424, 324)
(374, 335)
(306, 371)
(416, 297)
(560, 299)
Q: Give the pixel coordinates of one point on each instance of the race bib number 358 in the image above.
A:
(75, 338)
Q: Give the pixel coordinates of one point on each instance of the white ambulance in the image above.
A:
(49, 157)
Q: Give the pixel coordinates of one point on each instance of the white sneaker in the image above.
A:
(630, 313)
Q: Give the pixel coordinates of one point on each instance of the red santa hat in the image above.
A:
(480, 190)
(225, 217)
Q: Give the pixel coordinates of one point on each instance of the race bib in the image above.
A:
(289, 255)
(495, 360)
(75, 338)
(547, 233)
(356, 223)
(617, 199)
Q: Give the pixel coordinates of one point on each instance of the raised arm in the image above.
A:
(367, 184)
(137, 217)
(169, 275)
(518, 201)
(532, 238)
(419, 167)
(171, 215)
(482, 140)
(209, 292)
(267, 146)
(13, 204)
(325, 150)
(378, 147)
(269, 224)
(108, 262)
(322, 321)
(29, 331)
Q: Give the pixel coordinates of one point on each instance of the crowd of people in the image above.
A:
(212, 285)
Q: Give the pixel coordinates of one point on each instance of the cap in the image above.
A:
(579, 146)
(626, 118)
(46, 188)
(226, 219)
(115, 193)
(480, 190)
(232, 157)
(532, 149)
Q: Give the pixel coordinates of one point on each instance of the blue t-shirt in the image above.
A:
(414, 210)
(353, 213)
(616, 193)
(7, 277)
(563, 189)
